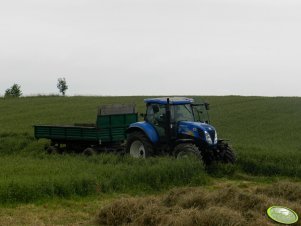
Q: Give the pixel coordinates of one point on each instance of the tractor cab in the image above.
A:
(167, 114)
(181, 109)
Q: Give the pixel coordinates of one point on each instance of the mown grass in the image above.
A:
(226, 204)
(222, 203)
(264, 132)
(75, 211)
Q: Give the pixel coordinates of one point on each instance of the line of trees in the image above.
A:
(15, 89)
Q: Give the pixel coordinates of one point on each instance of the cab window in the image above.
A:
(156, 113)
(183, 113)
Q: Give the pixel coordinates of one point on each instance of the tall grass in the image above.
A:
(26, 179)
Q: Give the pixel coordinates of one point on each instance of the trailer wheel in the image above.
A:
(138, 145)
(52, 150)
(89, 152)
(187, 150)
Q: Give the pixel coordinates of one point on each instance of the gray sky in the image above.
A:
(152, 47)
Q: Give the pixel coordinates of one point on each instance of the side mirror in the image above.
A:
(207, 106)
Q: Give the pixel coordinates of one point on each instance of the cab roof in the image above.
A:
(172, 100)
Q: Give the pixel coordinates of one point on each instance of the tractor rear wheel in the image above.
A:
(187, 150)
(138, 145)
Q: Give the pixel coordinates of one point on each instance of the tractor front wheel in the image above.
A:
(138, 145)
(226, 154)
(187, 150)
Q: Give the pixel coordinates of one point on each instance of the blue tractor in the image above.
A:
(177, 126)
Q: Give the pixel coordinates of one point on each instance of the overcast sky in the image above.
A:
(152, 47)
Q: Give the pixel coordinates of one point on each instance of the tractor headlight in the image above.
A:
(208, 138)
(215, 138)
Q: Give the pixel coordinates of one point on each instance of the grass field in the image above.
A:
(265, 133)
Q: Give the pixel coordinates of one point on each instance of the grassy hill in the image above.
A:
(265, 133)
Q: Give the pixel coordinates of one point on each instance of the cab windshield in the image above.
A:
(200, 113)
(183, 113)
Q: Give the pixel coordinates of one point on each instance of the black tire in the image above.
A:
(226, 153)
(229, 156)
(208, 157)
(138, 145)
(89, 152)
(52, 150)
(186, 150)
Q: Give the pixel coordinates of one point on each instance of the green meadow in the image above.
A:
(265, 133)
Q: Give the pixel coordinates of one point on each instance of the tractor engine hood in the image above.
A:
(198, 130)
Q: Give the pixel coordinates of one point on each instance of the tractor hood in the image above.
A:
(198, 130)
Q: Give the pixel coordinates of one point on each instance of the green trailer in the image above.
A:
(108, 133)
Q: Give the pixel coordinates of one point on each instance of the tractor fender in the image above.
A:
(147, 128)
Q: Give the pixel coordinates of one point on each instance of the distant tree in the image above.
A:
(14, 91)
(62, 85)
